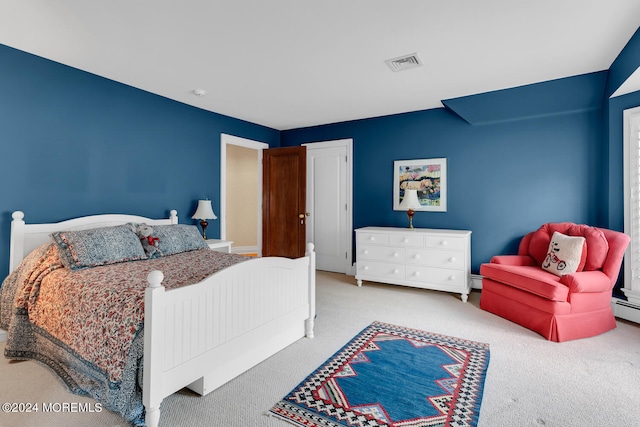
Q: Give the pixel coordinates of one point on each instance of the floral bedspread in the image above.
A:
(87, 325)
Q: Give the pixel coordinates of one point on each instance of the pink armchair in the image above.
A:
(560, 308)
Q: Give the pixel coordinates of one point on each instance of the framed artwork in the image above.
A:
(428, 177)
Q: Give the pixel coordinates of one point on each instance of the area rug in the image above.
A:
(392, 376)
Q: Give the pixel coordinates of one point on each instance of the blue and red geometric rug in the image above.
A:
(391, 376)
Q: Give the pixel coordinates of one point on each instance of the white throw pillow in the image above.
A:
(564, 254)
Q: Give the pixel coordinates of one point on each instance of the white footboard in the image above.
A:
(203, 335)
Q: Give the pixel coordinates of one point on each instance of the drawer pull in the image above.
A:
(417, 273)
(452, 277)
(396, 254)
(452, 259)
(396, 271)
(366, 267)
(372, 238)
(366, 252)
(417, 256)
(443, 243)
(405, 240)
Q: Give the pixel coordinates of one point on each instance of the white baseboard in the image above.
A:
(244, 250)
(625, 310)
(476, 281)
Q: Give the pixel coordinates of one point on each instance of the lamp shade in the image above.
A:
(204, 211)
(410, 200)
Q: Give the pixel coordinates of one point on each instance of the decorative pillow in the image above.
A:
(173, 239)
(565, 254)
(98, 246)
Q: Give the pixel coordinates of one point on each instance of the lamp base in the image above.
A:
(204, 224)
(410, 214)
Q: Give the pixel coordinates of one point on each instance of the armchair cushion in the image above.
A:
(513, 260)
(587, 281)
(596, 244)
(532, 279)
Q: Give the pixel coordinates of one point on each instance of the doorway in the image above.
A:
(328, 158)
(241, 193)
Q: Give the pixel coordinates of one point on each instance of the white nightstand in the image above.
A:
(220, 245)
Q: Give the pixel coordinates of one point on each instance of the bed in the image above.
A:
(197, 335)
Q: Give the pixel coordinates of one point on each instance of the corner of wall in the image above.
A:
(554, 97)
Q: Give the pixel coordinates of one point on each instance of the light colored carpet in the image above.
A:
(530, 381)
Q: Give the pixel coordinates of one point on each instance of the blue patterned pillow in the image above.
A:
(98, 246)
(177, 238)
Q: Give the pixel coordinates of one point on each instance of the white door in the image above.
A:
(329, 222)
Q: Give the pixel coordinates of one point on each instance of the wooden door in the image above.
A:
(283, 202)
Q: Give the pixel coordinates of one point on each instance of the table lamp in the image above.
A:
(203, 213)
(410, 202)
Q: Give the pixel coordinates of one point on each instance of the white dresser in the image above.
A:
(419, 257)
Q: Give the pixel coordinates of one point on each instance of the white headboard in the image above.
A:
(27, 237)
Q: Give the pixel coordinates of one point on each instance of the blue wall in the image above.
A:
(76, 144)
(504, 179)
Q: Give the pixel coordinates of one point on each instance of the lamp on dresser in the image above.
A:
(203, 213)
(410, 202)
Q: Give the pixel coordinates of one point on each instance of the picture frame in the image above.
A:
(428, 177)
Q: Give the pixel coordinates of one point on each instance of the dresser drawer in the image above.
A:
(381, 270)
(382, 253)
(373, 238)
(443, 277)
(407, 240)
(444, 242)
(436, 258)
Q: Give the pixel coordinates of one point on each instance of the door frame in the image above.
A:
(226, 139)
(348, 144)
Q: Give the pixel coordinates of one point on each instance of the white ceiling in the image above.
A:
(295, 63)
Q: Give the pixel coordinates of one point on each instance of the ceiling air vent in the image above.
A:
(404, 62)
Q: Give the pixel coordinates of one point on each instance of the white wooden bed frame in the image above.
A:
(203, 335)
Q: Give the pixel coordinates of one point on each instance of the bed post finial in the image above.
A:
(173, 216)
(155, 278)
